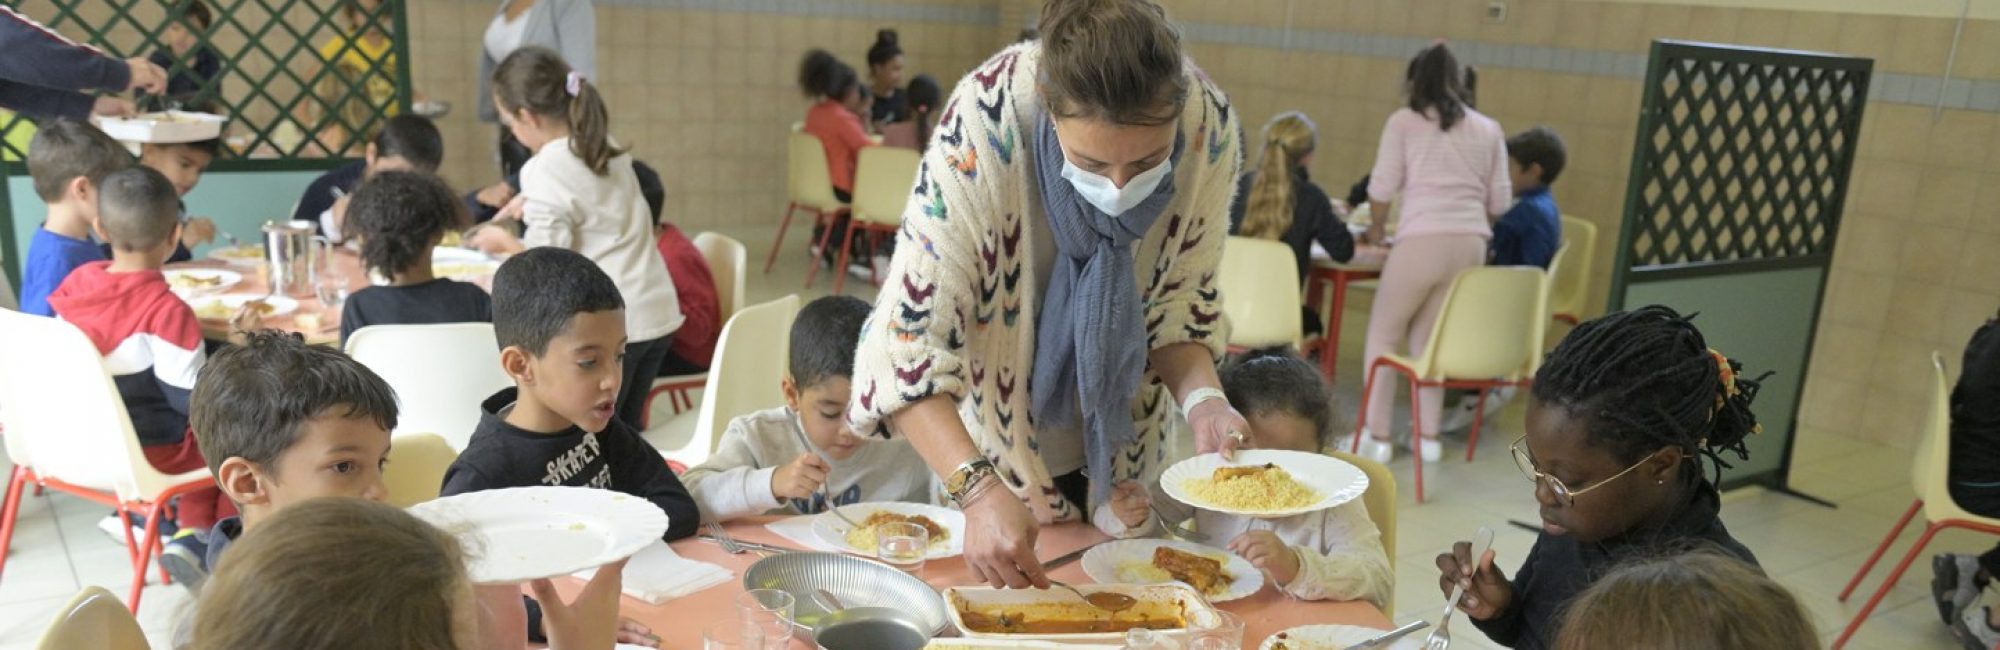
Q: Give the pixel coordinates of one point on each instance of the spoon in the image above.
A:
(1105, 600)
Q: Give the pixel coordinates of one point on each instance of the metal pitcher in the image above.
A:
(292, 251)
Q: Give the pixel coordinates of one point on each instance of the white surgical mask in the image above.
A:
(1106, 195)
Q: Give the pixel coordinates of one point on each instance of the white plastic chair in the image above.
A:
(7, 299)
(1489, 334)
(808, 187)
(67, 429)
(726, 263)
(883, 177)
(94, 620)
(749, 366)
(1259, 280)
(440, 373)
(1571, 293)
(1930, 476)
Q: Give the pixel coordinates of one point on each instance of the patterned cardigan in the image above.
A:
(955, 315)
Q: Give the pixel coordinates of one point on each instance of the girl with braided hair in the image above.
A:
(1625, 411)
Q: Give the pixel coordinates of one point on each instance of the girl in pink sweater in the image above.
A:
(1449, 164)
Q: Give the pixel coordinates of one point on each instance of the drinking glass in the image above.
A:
(732, 634)
(331, 290)
(902, 545)
(1214, 628)
(770, 612)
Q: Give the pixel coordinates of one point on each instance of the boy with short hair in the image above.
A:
(1529, 233)
(150, 340)
(781, 458)
(200, 64)
(68, 161)
(280, 422)
(406, 143)
(183, 163)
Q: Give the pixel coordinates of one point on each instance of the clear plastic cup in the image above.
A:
(902, 545)
(1214, 628)
(770, 612)
(732, 634)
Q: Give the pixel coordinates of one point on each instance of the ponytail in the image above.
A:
(1287, 139)
(537, 80)
(1435, 86)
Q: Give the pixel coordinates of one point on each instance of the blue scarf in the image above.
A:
(1090, 337)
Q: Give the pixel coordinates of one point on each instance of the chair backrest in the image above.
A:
(64, 416)
(417, 462)
(808, 182)
(1490, 327)
(1259, 280)
(744, 378)
(440, 372)
(725, 263)
(1380, 498)
(1556, 265)
(94, 620)
(882, 180)
(1572, 287)
(1930, 471)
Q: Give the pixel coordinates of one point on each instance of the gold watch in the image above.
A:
(966, 476)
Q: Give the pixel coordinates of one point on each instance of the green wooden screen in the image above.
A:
(1739, 174)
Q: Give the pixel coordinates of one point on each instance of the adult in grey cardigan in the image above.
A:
(567, 26)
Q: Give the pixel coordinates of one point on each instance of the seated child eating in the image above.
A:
(183, 164)
(1622, 413)
(150, 340)
(281, 422)
(406, 143)
(1332, 554)
(781, 458)
(68, 160)
(399, 217)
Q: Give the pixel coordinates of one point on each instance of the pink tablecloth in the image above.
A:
(679, 622)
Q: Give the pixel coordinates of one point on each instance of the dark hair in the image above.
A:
(194, 11)
(413, 138)
(1263, 383)
(925, 97)
(1469, 87)
(1435, 85)
(822, 75)
(1027, 34)
(536, 79)
(399, 216)
(1697, 599)
(537, 292)
(824, 337)
(211, 147)
(1539, 146)
(64, 149)
(1644, 380)
(650, 188)
(336, 572)
(137, 208)
(885, 48)
(253, 401)
(1118, 60)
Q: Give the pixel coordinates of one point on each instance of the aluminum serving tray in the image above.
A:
(857, 582)
(1191, 602)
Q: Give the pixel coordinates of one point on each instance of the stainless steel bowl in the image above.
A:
(855, 581)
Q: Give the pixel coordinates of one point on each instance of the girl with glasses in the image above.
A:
(1625, 411)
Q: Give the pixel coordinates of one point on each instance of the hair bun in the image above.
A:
(886, 36)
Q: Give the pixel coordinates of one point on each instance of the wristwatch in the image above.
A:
(968, 474)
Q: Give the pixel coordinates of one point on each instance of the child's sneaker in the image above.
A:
(1459, 416)
(110, 526)
(1381, 451)
(1973, 629)
(184, 557)
(1430, 449)
(1954, 584)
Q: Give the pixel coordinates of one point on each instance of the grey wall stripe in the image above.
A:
(1889, 87)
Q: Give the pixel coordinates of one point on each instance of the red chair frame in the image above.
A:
(820, 217)
(1930, 530)
(1416, 408)
(153, 510)
(876, 232)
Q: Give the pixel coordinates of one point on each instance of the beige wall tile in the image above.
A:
(1870, 36)
(1857, 299)
(1921, 46)
(1871, 245)
(1712, 24)
(1814, 31)
(1929, 255)
(1618, 28)
(1945, 197)
(1763, 27)
(1666, 21)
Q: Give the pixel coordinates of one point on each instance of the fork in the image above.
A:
(722, 538)
(1440, 638)
(1180, 529)
(826, 486)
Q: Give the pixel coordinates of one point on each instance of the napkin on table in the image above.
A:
(657, 574)
(799, 529)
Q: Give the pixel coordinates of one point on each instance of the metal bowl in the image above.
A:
(855, 581)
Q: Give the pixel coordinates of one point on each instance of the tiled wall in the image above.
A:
(703, 89)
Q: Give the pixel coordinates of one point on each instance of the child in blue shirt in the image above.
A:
(67, 160)
(1529, 233)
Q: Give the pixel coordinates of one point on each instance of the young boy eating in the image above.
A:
(400, 217)
(150, 340)
(781, 458)
(200, 65)
(68, 160)
(406, 143)
(183, 163)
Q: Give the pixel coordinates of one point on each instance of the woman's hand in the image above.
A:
(1269, 554)
(1131, 503)
(146, 76)
(1000, 540)
(1219, 428)
(1487, 593)
(591, 621)
(108, 106)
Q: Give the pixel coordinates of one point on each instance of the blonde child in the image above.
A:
(1698, 599)
(1333, 554)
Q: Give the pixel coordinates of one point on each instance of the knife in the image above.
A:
(754, 546)
(1066, 558)
(1390, 636)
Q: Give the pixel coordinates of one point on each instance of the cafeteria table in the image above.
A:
(326, 330)
(1326, 292)
(679, 622)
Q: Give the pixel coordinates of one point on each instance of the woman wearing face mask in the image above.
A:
(1052, 296)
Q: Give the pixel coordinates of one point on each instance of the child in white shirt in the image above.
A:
(1333, 554)
(779, 459)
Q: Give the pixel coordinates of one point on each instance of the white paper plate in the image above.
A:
(214, 281)
(1338, 637)
(1336, 481)
(245, 255)
(221, 308)
(514, 535)
(1129, 561)
(162, 128)
(832, 531)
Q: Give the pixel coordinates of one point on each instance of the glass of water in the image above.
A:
(1214, 628)
(902, 545)
(770, 612)
(332, 291)
(732, 634)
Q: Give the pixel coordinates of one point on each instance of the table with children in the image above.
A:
(317, 317)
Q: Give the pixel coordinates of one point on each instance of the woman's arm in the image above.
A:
(576, 35)
(1386, 180)
(1001, 533)
(1499, 185)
